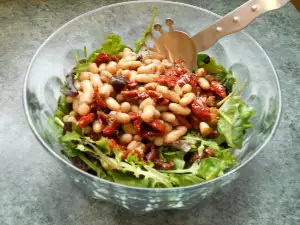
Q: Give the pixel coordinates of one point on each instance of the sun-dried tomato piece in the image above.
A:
(132, 84)
(111, 129)
(98, 99)
(159, 164)
(158, 97)
(159, 126)
(210, 152)
(201, 111)
(134, 95)
(190, 79)
(167, 80)
(184, 121)
(115, 146)
(218, 88)
(103, 57)
(85, 120)
(152, 154)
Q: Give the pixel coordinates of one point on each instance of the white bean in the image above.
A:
(125, 139)
(112, 67)
(205, 128)
(200, 72)
(120, 98)
(84, 76)
(129, 65)
(123, 117)
(72, 119)
(171, 95)
(126, 74)
(133, 145)
(106, 90)
(102, 67)
(137, 137)
(135, 108)
(159, 141)
(96, 80)
(128, 128)
(106, 74)
(162, 108)
(142, 89)
(168, 117)
(93, 68)
(156, 114)
(187, 88)
(132, 76)
(147, 101)
(179, 110)
(97, 126)
(178, 90)
(77, 85)
(187, 99)
(75, 104)
(112, 104)
(152, 68)
(88, 92)
(125, 107)
(148, 113)
(147, 61)
(203, 83)
(168, 126)
(174, 135)
(146, 78)
(83, 109)
(73, 113)
(160, 69)
(151, 86)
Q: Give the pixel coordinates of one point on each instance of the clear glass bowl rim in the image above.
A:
(64, 161)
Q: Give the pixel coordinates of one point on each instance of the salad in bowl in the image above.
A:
(135, 118)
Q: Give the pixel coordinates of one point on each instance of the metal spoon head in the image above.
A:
(177, 45)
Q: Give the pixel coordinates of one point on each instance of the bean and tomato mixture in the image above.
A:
(141, 102)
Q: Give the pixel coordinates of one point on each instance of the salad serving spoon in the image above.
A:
(179, 45)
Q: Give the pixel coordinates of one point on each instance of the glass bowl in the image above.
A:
(238, 52)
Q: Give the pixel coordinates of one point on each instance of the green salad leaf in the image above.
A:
(234, 120)
(63, 107)
(226, 79)
(176, 157)
(113, 44)
(185, 179)
(128, 179)
(148, 30)
(221, 74)
(208, 168)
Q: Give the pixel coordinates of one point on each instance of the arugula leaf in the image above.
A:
(150, 174)
(234, 120)
(226, 79)
(70, 136)
(103, 145)
(209, 64)
(113, 44)
(69, 149)
(94, 54)
(208, 168)
(185, 179)
(63, 107)
(176, 157)
(148, 30)
(127, 179)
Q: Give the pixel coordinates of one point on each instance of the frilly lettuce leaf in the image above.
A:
(234, 120)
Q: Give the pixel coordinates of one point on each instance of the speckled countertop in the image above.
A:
(34, 191)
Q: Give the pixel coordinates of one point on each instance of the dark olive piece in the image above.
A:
(119, 83)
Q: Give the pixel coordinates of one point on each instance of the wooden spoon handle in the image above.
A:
(234, 21)
(296, 4)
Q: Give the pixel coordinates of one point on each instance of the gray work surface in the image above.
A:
(33, 189)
